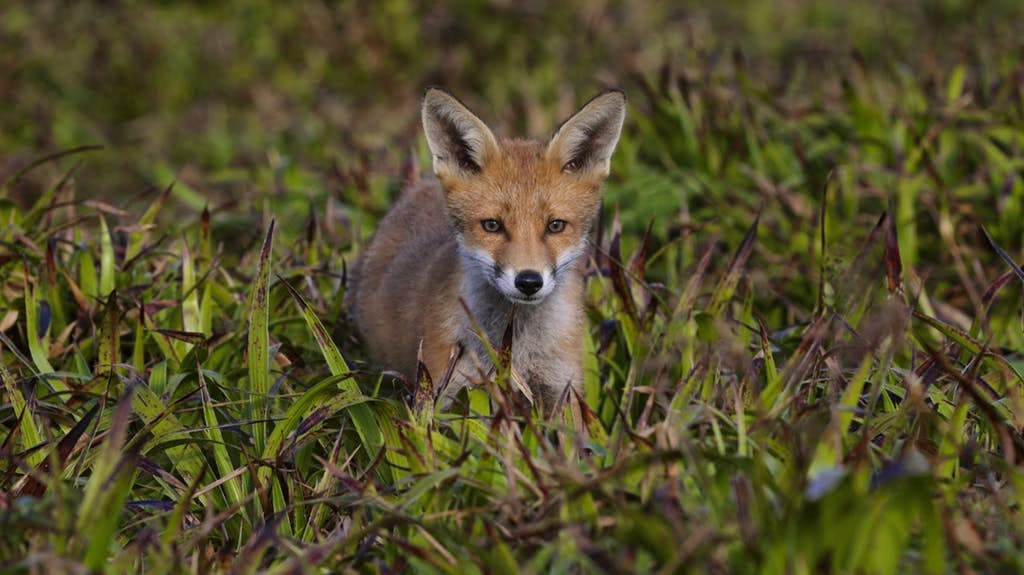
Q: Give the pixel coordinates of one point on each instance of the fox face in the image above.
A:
(522, 210)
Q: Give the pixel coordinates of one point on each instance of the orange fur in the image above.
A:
(433, 248)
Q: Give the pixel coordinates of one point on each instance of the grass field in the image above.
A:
(806, 337)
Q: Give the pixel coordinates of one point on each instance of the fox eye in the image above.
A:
(571, 166)
(556, 226)
(491, 226)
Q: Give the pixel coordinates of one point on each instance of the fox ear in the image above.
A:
(460, 143)
(585, 142)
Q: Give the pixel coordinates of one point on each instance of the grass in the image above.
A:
(805, 338)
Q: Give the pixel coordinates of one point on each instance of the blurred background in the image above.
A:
(189, 88)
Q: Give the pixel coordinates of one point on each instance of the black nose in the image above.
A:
(529, 282)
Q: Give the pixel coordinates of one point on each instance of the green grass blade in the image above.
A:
(38, 343)
(221, 458)
(727, 286)
(773, 380)
(146, 221)
(325, 397)
(190, 306)
(106, 259)
(851, 395)
(952, 440)
(87, 279)
(30, 436)
(259, 343)
(367, 426)
(107, 488)
(109, 338)
(165, 426)
(103, 530)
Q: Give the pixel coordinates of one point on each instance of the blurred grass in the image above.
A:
(812, 364)
(215, 87)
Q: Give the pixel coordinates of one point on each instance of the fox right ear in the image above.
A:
(460, 143)
(585, 142)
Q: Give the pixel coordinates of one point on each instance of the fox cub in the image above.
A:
(504, 229)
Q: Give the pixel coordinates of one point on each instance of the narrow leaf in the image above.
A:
(259, 342)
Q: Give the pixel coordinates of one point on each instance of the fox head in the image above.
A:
(522, 209)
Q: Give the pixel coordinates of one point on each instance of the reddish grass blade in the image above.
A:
(423, 395)
(727, 286)
(893, 263)
(32, 485)
(619, 280)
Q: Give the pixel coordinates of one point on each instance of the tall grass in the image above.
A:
(803, 354)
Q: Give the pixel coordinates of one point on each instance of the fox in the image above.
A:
(497, 233)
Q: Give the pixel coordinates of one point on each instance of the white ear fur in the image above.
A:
(460, 143)
(585, 142)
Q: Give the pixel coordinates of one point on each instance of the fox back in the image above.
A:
(502, 228)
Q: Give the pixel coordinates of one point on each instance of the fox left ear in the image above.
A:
(459, 141)
(585, 142)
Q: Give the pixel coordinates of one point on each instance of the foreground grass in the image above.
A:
(804, 356)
